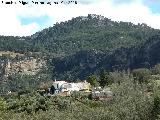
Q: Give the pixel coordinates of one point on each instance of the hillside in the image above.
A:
(117, 59)
(84, 63)
(87, 44)
(92, 32)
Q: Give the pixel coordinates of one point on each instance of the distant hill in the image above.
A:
(93, 32)
(87, 44)
(81, 33)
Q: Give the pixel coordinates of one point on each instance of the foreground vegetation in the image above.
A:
(136, 97)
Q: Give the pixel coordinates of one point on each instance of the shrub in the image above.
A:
(142, 75)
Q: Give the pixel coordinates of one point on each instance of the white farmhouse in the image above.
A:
(64, 87)
(57, 86)
(70, 87)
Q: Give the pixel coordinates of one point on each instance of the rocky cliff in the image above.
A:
(25, 66)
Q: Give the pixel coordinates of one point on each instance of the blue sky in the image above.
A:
(19, 20)
(40, 20)
(153, 5)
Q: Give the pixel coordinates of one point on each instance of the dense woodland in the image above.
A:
(119, 55)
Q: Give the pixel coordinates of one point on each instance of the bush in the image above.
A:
(130, 101)
(156, 69)
(142, 75)
(3, 104)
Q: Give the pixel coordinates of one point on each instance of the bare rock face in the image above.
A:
(26, 67)
(11, 54)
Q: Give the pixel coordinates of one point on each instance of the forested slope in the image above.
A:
(87, 44)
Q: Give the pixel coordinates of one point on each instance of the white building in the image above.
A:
(63, 86)
(58, 86)
(69, 87)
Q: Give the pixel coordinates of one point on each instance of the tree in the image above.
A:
(141, 74)
(2, 104)
(156, 69)
(92, 79)
(130, 102)
(104, 78)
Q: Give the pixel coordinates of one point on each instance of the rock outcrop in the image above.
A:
(27, 67)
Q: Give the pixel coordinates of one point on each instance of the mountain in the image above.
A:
(87, 62)
(87, 44)
(93, 32)
(81, 33)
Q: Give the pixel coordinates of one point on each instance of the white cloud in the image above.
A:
(11, 25)
(133, 11)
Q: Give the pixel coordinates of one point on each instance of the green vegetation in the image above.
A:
(141, 75)
(86, 45)
(156, 69)
(132, 100)
(118, 55)
(81, 33)
(92, 79)
(104, 78)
